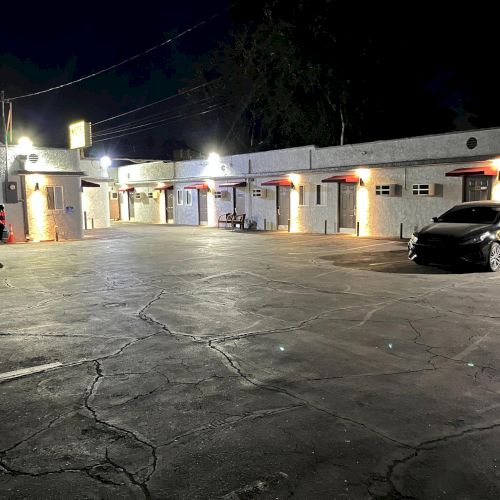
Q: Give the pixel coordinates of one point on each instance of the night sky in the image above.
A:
(432, 73)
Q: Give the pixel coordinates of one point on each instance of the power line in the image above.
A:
(170, 40)
(140, 121)
(125, 128)
(171, 120)
(154, 103)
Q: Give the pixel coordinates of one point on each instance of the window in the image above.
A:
(318, 194)
(189, 197)
(55, 198)
(422, 189)
(383, 190)
(302, 195)
(179, 197)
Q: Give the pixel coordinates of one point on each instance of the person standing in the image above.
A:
(2, 221)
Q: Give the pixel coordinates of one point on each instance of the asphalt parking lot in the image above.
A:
(190, 363)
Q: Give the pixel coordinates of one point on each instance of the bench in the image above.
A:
(239, 220)
(226, 219)
(231, 220)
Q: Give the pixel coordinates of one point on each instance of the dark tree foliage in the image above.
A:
(294, 77)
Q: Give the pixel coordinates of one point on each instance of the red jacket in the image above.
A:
(2, 217)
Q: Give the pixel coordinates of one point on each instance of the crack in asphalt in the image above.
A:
(142, 485)
(427, 446)
(228, 422)
(306, 402)
(448, 358)
(40, 431)
(120, 431)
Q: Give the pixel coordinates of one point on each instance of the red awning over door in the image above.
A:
(278, 182)
(459, 172)
(197, 186)
(234, 184)
(342, 178)
(165, 186)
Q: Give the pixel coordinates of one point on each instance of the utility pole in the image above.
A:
(2, 99)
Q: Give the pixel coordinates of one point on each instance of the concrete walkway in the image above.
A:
(190, 363)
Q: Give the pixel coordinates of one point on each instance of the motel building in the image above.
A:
(387, 188)
(52, 194)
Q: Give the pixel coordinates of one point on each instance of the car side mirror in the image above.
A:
(434, 219)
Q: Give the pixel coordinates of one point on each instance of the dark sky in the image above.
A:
(436, 70)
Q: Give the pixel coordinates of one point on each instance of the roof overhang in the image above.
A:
(127, 189)
(460, 172)
(89, 184)
(343, 178)
(165, 185)
(278, 182)
(50, 173)
(233, 184)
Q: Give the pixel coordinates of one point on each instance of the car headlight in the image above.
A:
(413, 239)
(478, 238)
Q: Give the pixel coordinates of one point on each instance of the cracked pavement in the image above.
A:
(189, 363)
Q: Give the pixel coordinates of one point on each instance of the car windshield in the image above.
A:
(471, 215)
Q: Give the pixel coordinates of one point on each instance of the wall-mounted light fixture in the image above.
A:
(292, 185)
(37, 187)
(361, 182)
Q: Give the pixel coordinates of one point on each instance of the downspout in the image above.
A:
(24, 203)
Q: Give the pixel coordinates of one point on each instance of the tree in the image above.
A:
(286, 80)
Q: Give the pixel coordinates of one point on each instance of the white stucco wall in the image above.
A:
(47, 160)
(385, 214)
(403, 162)
(147, 209)
(44, 223)
(95, 204)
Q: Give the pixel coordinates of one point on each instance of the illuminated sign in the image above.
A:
(80, 135)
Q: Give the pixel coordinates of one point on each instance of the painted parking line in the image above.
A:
(28, 371)
(388, 263)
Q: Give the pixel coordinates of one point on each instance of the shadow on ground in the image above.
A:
(394, 261)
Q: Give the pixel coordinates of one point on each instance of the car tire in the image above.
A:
(493, 264)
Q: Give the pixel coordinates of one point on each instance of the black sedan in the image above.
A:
(467, 233)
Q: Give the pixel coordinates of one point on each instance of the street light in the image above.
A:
(24, 146)
(106, 162)
(215, 163)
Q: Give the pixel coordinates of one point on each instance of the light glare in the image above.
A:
(106, 162)
(25, 145)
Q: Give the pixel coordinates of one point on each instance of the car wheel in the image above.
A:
(494, 257)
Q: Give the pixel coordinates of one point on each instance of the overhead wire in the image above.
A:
(179, 94)
(147, 117)
(123, 129)
(170, 120)
(141, 122)
(125, 61)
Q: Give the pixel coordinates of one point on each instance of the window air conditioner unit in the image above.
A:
(425, 189)
(259, 193)
(387, 190)
(221, 195)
